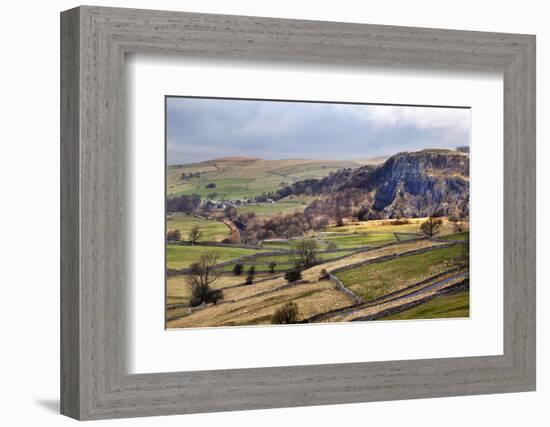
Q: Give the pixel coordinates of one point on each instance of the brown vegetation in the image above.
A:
(287, 314)
(173, 236)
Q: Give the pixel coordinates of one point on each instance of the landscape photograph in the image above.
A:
(300, 212)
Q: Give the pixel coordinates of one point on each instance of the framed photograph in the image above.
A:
(268, 222)
(262, 213)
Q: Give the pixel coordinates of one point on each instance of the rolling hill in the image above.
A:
(240, 177)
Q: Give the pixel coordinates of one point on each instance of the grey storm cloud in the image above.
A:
(200, 129)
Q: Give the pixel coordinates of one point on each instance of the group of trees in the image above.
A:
(238, 269)
(289, 225)
(331, 209)
(194, 235)
(305, 186)
(253, 229)
(184, 203)
(318, 215)
(334, 182)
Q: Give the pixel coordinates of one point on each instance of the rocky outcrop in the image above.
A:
(406, 185)
(422, 184)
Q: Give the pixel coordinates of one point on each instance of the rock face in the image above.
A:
(418, 184)
(421, 184)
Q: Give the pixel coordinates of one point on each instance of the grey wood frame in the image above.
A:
(94, 41)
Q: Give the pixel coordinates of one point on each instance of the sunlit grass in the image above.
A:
(439, 307)
(375, 280)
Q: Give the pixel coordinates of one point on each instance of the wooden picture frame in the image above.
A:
(94, 382)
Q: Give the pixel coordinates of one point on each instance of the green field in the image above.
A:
(457, 236)
(388, 226)
(441, 306)
(241, 178)
(340, 241)
(291, 244)
(277, 245)
(358, 240)
(268, 210)
(285, 262)
(377, 227)
(178, 257)
(212, 230)
(375, 280)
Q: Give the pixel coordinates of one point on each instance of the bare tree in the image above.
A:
(431, 227)
(201, 275)
(305, 254)
(194, 234)
(459, 223)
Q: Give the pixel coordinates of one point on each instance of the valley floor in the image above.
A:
(365, 271)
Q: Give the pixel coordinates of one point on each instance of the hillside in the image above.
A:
(240, 177)
(316, 241)
(413, 184)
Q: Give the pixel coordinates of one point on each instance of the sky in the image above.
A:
(199, 129)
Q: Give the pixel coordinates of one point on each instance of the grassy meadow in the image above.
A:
(211, 229)
(236, 178)
(376, 280)
(440, 307)
(390, 226)
(268, 210)
(180, 256)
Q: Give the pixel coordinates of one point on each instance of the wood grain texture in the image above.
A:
(94, 272)
(70, 221)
